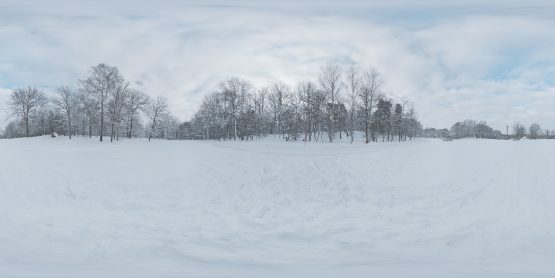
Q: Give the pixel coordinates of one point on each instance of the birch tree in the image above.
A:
(330, 79)
(117, 104)
(354, 84)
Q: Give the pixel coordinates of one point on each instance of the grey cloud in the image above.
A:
(448, 64)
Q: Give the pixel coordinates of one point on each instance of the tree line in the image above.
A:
(534, 131)
(480, 129)
(340, 103)
(103, 105)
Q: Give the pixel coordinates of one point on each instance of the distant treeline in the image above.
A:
(104, 104)
(480, 129)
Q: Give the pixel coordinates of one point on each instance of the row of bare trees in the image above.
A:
(534, 131)
(341, 102)
(103, 104)
(480, 129)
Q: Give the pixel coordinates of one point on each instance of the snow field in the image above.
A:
(427, 208)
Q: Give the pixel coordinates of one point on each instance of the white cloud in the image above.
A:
(454, 64)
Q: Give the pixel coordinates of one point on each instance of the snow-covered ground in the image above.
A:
(427, 208)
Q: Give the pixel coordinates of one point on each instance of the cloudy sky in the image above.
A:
(484, 60)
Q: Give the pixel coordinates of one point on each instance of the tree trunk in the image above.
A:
(235, 129)
(101, 120)
(130, 127)
(366, 133)
(112, 132)
(352, 126)
(69, 124)
(27, 126)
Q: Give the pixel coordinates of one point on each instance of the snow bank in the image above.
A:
(469, 208)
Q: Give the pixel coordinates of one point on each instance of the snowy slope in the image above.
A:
(469, 208)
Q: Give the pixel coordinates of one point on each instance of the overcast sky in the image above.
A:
(492, 61)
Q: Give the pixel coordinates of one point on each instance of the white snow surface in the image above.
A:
(426, 208)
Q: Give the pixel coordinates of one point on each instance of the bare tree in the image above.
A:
(519, 130)
(535, 131)
(102, 81)
(23, 102)
(330, 79)
(118, 101)
(371, 85)
(89, 106)
(156, 112)
(260, 100)
(354, 83)
(137, 100)
(414, 127)
(169, 127)
(66, 102)
(279, 95)
(234, 91)
(307, 95)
